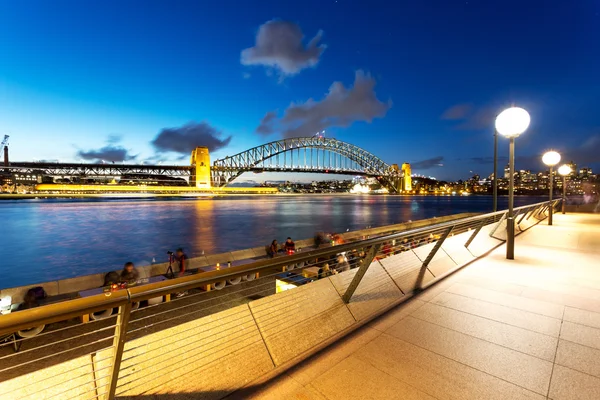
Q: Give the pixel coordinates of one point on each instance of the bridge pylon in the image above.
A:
(200, 161)
(406, 178)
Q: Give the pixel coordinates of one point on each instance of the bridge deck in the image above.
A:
(498, 329)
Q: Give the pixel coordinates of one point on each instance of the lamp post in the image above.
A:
(495, 200)
(564, 170)
(511, 123)
(551, 158)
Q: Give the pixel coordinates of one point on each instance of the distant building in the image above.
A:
(585, 171)
(26, 179)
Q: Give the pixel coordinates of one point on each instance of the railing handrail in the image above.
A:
(72, 308)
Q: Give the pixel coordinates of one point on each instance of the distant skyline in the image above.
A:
(417, 82)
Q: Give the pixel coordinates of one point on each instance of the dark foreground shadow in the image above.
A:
(214, 395)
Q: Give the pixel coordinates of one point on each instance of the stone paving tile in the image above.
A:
(518, 302)
(356, 379)
(568, 384)
(519, 339)
(521, 369)
(581, 334)
(393, 316)
(523, 319)
(579, 357)
(566, 299)
(328, 358)
(437, 375)
(583, 317)
(282, 387)
(495, 283)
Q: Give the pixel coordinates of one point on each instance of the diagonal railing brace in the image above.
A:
(477, 230)
(438, 245)
(498, 224)
(362, 270)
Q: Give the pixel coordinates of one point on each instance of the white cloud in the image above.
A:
(279, 45)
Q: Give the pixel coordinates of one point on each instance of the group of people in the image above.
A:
(130, 275)
(289, 247)
(337, 264)
(322, 238)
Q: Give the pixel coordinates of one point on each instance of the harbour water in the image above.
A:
(43, 240)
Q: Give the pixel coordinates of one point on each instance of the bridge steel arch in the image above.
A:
(225, 170)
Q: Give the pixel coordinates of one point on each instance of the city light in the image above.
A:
(551, 158)
(360, 189)
(564, 170)
(512, 122)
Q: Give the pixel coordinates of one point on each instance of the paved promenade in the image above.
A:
(498, 329)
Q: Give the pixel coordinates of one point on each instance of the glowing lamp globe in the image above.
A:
(564, 170)
(551, 158)
(512, 122)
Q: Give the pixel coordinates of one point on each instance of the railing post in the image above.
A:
(362, 270)
(477, 230)
(118, 345)
(438, 245)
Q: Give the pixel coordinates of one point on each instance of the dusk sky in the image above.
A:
(409, 81)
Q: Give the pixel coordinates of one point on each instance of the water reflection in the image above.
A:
(54, 239)
(204, 223)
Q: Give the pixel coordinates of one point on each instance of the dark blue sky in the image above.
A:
(80, 80)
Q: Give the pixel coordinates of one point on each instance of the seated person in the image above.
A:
(272, 249)
(289, 246)
(342, 264)
(320, 239)
(129, 274)
(387, 248)
(325, 271)
(337, 239)
(111, 278)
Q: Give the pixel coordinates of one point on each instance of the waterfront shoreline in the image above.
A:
(163, 196)
(60, 238)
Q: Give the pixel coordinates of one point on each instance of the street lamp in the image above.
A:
(495, 187)
(564, 170)
(551, 158)
(511, 123)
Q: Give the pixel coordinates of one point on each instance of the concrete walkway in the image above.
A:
(498, 329)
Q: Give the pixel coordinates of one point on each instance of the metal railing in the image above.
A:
(122, 355)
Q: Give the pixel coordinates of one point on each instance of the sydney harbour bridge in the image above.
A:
(317, 154)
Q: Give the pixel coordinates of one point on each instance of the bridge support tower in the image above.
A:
(200, 161)
(406, 178)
